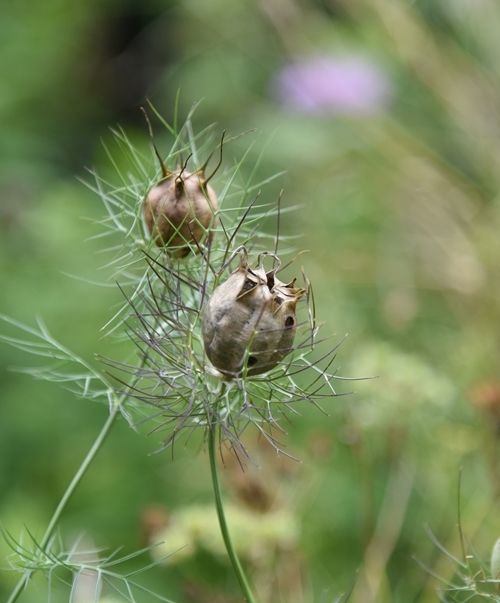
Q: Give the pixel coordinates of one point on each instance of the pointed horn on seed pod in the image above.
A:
(242, 250)
(286, 295)
(219, 163)
(201, 171)
(270, 274)
(166, 173)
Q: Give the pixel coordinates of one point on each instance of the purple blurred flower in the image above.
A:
(348, 85)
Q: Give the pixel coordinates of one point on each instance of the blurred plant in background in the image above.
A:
(402, 221)
(343, 85)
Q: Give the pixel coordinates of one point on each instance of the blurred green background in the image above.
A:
(385, 116)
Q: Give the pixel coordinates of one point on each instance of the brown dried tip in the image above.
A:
(249, 323)
(179, 212)
(201, 593)
(153, 520)
(486, 398)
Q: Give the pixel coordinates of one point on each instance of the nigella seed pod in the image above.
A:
(179, 211)
(249, 323)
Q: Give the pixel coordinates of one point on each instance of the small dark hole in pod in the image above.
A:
(270, 281)
(289, 322)
(252, 360)
(278, 300)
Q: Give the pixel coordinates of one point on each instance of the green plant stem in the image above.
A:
(235, 562)
(106, 428)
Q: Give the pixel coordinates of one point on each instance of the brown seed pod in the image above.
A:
(249, 322)
(179, 211)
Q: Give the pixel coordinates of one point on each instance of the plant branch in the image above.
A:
(49, 532)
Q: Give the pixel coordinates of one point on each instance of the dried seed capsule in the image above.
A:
(249, 323)
(179, 211)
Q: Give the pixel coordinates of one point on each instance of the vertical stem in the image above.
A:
(235, 562)
(106, 428)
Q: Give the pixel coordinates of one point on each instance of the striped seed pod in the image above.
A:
(249, 323)
(179, 211)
